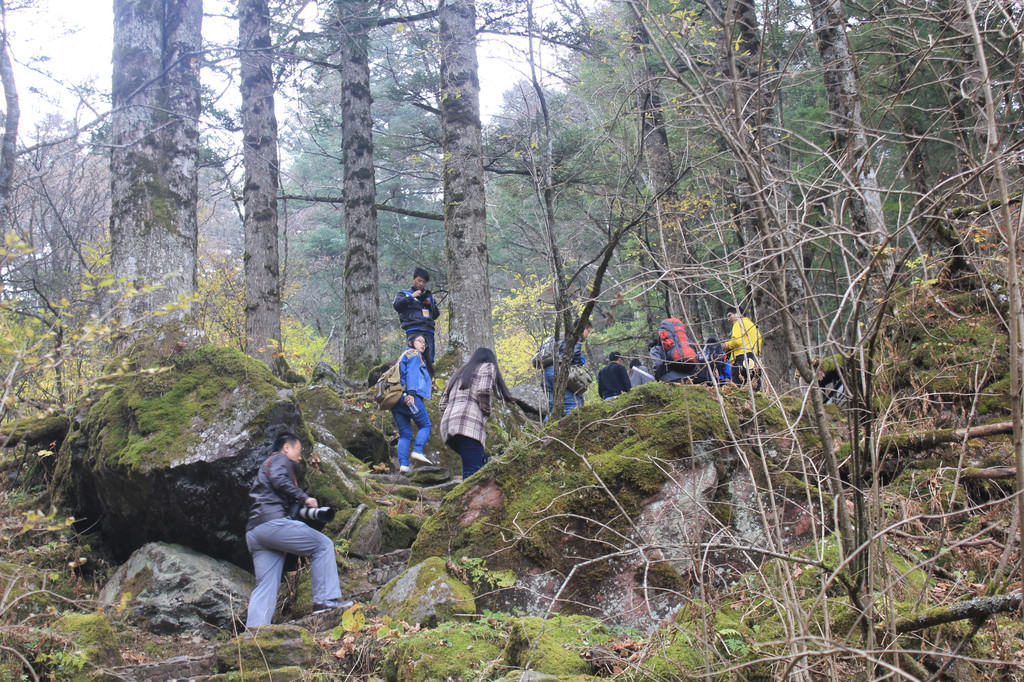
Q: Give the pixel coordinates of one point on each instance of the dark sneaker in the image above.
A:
(332, 604)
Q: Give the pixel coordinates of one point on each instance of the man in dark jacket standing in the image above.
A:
(271, 534)
(613, 380)
(417, 310)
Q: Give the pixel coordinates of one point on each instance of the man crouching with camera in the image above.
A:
(272, 533)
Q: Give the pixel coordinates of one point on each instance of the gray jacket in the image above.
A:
(274, 491)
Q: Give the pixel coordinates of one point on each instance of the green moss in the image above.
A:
(94, 638)
(47, 430)
(948, 355)
(799, 490)
(555, 644)
(400, 532)
(452, 651)
(356, 426)
(547, 486)
(483, 648)
(286, 674)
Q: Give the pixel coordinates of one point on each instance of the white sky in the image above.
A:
(62, 49)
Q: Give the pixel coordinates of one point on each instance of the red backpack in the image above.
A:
(675, 342)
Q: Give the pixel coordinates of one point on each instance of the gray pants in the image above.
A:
(269, 543)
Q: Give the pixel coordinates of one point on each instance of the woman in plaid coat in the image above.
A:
(466, 404)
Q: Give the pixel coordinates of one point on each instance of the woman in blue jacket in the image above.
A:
(410, 408)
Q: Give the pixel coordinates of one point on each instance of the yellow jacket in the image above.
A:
(745, 339)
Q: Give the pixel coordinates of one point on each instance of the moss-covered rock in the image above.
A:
(285, 674)
(94, 640)
(553, 645)
(269, 648)
(642, 470)
(427, 594)
(170, 455)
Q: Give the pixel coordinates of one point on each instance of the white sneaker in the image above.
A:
(420, 457)
(403, 469)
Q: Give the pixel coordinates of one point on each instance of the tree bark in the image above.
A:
(259, 193)
(851, 144)
(155, 151)
(923, 440)
(362, 297)
(979, 607)
(662, 179)
(465, 211)
(763, 210)
(12, 112)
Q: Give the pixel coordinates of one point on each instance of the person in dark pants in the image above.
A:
(466, 404)
(417, 311)
(271, 534)
(613, 379)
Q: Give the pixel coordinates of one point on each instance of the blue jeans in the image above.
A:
(571, 400)
(269, 543)
(429, 338)
(471, 451)
(403, 420)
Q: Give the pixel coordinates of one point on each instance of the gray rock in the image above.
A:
(429, 475)
(368, 537)
(168, 589)
(426, 594)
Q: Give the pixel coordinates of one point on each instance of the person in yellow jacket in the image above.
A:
(743, 348)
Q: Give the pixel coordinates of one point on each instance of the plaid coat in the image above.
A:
(464, 411)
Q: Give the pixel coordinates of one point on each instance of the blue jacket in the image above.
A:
(415, 377)
(416, 315)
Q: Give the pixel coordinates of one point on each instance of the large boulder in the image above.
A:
(168, 589)
(605, 514)
(170, 455)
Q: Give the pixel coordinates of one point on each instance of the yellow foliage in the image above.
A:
(518, 328)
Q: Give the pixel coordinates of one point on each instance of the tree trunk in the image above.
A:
(259, 154)
(763, 211)
(155, 151)
(851, 144)
(465, 212)
(662, 179)
(362, 298)
(12, 112)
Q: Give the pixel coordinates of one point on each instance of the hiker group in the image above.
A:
(466, 402)
(673, 357)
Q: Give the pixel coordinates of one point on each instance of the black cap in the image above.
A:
(421, 272)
